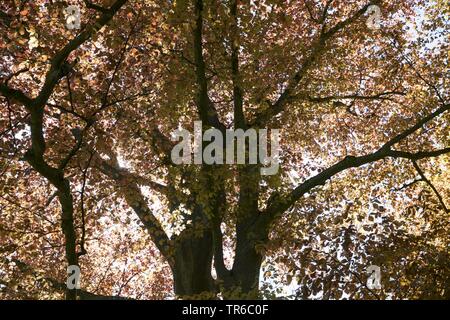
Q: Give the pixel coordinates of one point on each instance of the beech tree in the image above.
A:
(87, 177)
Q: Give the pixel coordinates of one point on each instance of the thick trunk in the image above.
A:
(192, 264)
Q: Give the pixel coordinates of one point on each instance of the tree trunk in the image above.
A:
(193, 264)
(247, 266)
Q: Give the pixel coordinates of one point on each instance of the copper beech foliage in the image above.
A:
(86, 176)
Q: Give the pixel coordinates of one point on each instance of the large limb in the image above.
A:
(136, 200)
(280, 203)
(201, 239)
(378, 96)
(428, 182)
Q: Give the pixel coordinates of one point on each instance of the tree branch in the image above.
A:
(94, 6)
(223, 273)
(59, 286)
(16, 95)
(206, 109)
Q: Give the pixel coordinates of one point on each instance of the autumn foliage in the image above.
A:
(86, 177)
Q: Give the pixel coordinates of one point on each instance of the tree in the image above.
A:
(364, 164)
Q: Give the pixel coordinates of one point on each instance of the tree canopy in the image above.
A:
(87, 179)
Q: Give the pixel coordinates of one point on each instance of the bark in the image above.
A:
(191, 254)
(59, 68)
